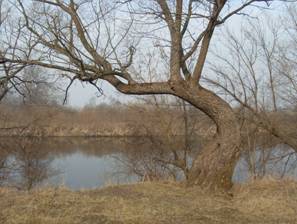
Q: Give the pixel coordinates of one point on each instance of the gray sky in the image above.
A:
(82, 94)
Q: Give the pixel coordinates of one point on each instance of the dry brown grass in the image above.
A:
(267, 201)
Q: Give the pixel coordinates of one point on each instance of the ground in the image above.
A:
(267, 201)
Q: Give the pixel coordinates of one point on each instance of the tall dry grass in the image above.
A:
(266, 201)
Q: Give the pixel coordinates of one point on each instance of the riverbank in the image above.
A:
(101, 121)
(266, 201)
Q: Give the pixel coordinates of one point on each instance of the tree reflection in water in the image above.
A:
(157, 160)
(26, 163)
(24, 166)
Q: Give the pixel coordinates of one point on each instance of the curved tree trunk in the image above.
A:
(214, 166)
(215, 163)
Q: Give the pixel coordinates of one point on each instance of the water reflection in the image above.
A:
(23, 166)
(79, 163)
(74, 162)
(81, 171)
(279, 161)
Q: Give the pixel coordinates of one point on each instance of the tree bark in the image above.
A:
(214, 165)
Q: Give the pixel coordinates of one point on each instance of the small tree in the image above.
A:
(171, 127)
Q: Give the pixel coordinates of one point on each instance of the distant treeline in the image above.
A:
(102, 120)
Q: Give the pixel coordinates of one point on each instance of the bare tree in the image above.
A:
(5, 74)
(26, 165)
(12, 76)
(97, 40)
(172, 127)
(147, 165)
(262, 82)
(288, 63)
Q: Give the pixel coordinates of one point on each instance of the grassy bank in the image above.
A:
(259, 202)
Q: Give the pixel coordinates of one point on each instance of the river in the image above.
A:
(85, 163)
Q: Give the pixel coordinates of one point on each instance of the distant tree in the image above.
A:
(37, 88)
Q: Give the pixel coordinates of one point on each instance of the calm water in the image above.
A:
(78, 171)
(84, 163)
(77, 163)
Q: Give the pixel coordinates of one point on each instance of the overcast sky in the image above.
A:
(82, 94)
